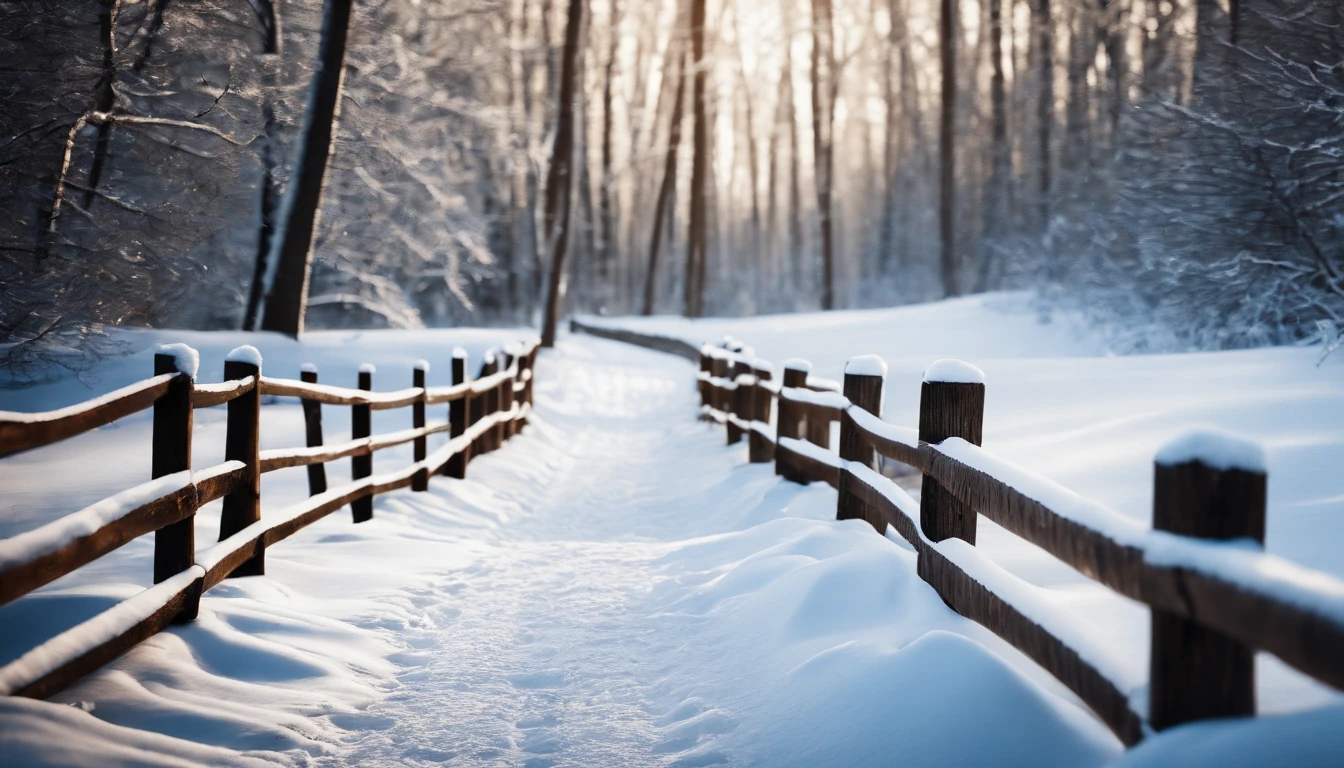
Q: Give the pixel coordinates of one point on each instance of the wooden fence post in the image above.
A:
(864, 379)
(242, 442)
(420, 480)
(951, 404)
(361, 425)
(705, 365)
(1210, 486)
(739, 400)
(174, 544)
(795, 377)
(312, 422)
(458, 411)
(718, 368)
(485, 404)
(503, 398)
(759, 448)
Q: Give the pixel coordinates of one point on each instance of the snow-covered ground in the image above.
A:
(614, 587)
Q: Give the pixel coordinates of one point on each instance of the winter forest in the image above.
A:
(1172, 168)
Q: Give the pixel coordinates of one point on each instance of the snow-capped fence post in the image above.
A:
(361, 426)
(865, 377)
(420, 480)
(174, 544)
(951, 404)
(1209, 486)
(739, 402)
(489, 367)
(503, 398)
(718, 368)
(702, 383)
(458, 411)
(759, 447)
(795, 377)
(242, 442)
(312, 424)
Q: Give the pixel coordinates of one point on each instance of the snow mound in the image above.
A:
(866, 365)
(422, 365)
(762, 366)
(954, 372)
(797, 364)
(308, 368)
(1215, 448)
(368, 368)
(245, 354)
(188, 360)
(459, 353)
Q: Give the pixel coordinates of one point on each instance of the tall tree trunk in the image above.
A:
(1000, 161)
(698, 229)
(559, 178)
(606, 252)
(1115, 15)
(1159, 37)
(753, 169)
(823, 116)
(662, 208)
(947, 190)
(287, 294)
(891, 134)
(1045, 106)
(268, 187)
(795, 175)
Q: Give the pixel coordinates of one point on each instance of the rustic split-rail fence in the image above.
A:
(1215, 596)
(482, 414)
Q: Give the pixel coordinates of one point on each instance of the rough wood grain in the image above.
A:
(242, 442)
(312, 426)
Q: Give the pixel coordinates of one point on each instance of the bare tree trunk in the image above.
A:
(1158, 39)
(698, 230)
(795, 176)
(946, 148)
(1045, 106)
(559, 179)
(661, 209)
(753, 169)
(891, 135)
(607, 251)
(823, 116)
(287, 294)
(268, 191)
(1000, 161)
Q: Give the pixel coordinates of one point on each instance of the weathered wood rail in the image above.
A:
(482, 414)
(1215, 595)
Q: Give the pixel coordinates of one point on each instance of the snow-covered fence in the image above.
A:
(482, 414)
(1215, 595)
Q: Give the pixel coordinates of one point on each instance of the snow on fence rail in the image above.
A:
(482, 414)
(1216, 596)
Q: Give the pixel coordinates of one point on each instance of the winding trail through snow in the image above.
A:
(541, 652)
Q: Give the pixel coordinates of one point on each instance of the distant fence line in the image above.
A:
(482, 414)
(1213, 602)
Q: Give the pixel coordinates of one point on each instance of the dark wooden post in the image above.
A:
(790, 420)
(718, 368)
(312, 422)
(242, 442)
(532, 366)
(175, 543)
(503, 399)
(420, 480)
(759, 449)
(864, 379)
(361, 425)
(739, 399)
(457, 417)
(705, 366)
(951, 404)
(1207, 486)
(486, 402)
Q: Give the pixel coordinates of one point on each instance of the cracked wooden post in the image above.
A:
(420, 480)
(951, 404)
(312, 424)
(789, 416)
(865, 377)
(1206, 485)
(361, 426)
(759, 448)
(458, 411)
(175, 543)
(242, 442)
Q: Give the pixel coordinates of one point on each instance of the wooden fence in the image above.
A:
(1214, 603)
(482, 414)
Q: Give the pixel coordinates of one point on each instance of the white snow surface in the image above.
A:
(308, 368)
(421, 365)
(187, 360)
(866, 365)
(1216, 448)
(369, 368)
(613, 587)
(954, 372)
(1063, 410)
(245, 353)
(797, 364)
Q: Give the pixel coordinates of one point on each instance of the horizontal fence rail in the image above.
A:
(482, 413)
(1215, 595)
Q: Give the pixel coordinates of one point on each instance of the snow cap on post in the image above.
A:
(797, 364)
(866, 365)
(761, 365)
(186, 359)
(1214, 448)
(489, 356)
(460, 353)
(421, 365)
(368, 368)
(746, 353)
(954, 372)
(245, 354)
(308, 368)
